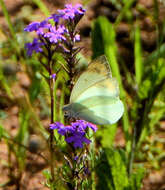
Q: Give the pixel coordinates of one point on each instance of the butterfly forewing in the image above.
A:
(100, 66)
(106, 87)
(97, 70)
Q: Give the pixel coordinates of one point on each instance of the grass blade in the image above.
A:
(124, 10)
(7, 17)
(42, 6)
(138, 56)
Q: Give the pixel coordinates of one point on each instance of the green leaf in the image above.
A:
(118, 169)
(22, 138)
(34, 89)
(105, 180)
(117, 4)
(145, 88)
(157, 113)
(107, 135)
(158, 53)
(136, 179)
(47, 174)
(97, 38)
(124, 11)
(23, 130)
(148, 92)
(3, 133)
(5, 84)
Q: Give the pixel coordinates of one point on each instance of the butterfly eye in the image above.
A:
(66, 113)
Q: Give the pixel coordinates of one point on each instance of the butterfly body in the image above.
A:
(95, 95)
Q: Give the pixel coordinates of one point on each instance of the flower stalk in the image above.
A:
(51, 87)
(61, 37)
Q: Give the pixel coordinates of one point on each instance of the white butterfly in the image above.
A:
(95, 95)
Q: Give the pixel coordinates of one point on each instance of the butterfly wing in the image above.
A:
(99, 104)
(106, 87)
(100, 110)
(95, 96)
(103, 114)
(97, 70)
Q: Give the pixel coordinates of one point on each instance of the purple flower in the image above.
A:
(32, 27)
(76, 158)
(86, 171)
(74, 133)
(38, 27)
(34, 46)
(77, 37)
(81, 125)
(53, 76)
(56, 125)
(56, 34)
(79, 9)
(77, 139)
(56, 17)
(62, 130)
(92, 126)
(70, 12)
(40, 31)
(44, 24)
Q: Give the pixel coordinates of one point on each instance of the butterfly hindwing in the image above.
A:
(99, 109)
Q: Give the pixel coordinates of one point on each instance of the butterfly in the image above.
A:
(95, 95)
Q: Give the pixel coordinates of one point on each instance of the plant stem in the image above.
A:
(71, 58)
(51, 131)
(51, 87)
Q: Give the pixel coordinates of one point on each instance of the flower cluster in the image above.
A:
(72, 13)
(74, 133)
(57, 32)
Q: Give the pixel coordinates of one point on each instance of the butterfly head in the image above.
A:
(67, 111)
